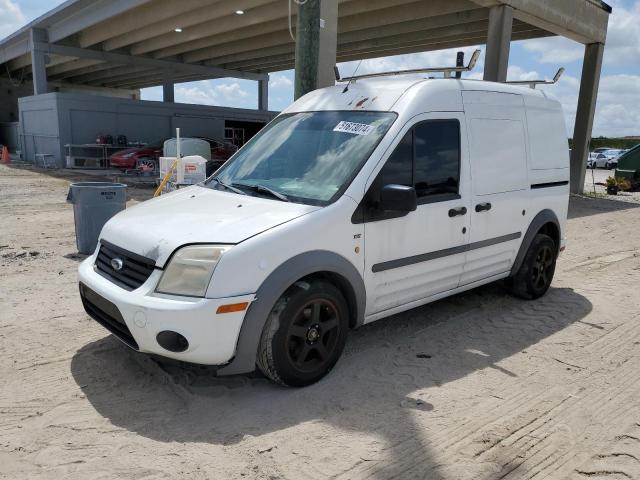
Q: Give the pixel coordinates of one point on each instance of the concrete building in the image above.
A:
(120, 47)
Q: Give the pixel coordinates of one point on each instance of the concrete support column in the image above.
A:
(39, 61)
(263, 94)
(589, 82)
(168, 88)
(498, 43)
(316, 44)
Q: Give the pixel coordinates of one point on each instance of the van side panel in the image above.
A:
(548, 160)
(547, 134)
(500, 183)
(499, 155)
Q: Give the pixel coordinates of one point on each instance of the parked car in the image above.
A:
(146, 158)
(607, 159)
(340, 212)
(138, 158)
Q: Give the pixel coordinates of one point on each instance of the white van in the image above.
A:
(352, 205)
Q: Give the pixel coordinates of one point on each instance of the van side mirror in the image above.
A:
(398, 198)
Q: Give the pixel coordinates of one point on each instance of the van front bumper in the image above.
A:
(137, 317)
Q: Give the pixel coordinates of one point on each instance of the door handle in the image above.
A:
(483, 207)
(454, 212)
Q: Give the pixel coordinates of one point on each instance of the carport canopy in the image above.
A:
(133, 44)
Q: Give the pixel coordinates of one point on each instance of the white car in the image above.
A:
(354, 204)
(607, 159)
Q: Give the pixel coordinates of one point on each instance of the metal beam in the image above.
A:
(498, 43)
(591, 68)
(122, 59)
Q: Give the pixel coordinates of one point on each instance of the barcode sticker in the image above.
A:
(355, 128)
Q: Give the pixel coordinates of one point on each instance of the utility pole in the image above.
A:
(316, 45)
(307, 47)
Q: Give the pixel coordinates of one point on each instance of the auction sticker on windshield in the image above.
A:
(355, 128)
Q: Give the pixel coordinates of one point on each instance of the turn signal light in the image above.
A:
(234, 307)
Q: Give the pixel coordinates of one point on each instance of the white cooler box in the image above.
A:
(194, 170)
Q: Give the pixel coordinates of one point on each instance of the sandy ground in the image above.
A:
(479, 386)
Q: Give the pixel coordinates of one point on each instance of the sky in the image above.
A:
(618, 107)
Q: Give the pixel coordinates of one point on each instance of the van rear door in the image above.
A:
(496, 124)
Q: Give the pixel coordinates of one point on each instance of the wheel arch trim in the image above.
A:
(539, 221)
(274, 286)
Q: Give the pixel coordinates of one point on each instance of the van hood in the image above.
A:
(157, 227)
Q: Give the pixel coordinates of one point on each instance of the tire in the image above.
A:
(304, 335)
(607, 166)
(534, 277)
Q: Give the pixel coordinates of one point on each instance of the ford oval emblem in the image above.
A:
(117, 264)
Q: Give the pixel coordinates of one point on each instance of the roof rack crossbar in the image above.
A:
(446, 71)
(533, 83)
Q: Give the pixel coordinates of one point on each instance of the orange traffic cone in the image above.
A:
(5, 155)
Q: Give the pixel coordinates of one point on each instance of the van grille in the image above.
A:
(106, 314)
(135, 270)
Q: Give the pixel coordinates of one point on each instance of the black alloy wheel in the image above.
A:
(543, 267)
(313, 335)
(305, 334)
(534, 277)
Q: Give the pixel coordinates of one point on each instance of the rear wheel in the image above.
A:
(304, 335)
(533, 278)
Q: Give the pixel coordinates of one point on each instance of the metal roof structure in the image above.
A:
(132, 44)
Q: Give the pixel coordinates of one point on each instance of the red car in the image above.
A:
(145, 159)
(140, 158)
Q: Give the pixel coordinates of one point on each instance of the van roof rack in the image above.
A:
(446, 71)
(533, 83)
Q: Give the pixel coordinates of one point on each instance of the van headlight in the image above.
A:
(190, 270)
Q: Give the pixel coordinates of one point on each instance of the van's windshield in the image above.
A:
(307, 157)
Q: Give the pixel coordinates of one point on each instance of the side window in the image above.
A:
(399, 167)
(437, 157)
(427, 158)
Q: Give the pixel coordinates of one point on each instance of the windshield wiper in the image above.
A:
(263, 189)
(229, 187)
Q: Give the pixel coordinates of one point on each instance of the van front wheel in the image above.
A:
(304, 335)
(533, 278)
